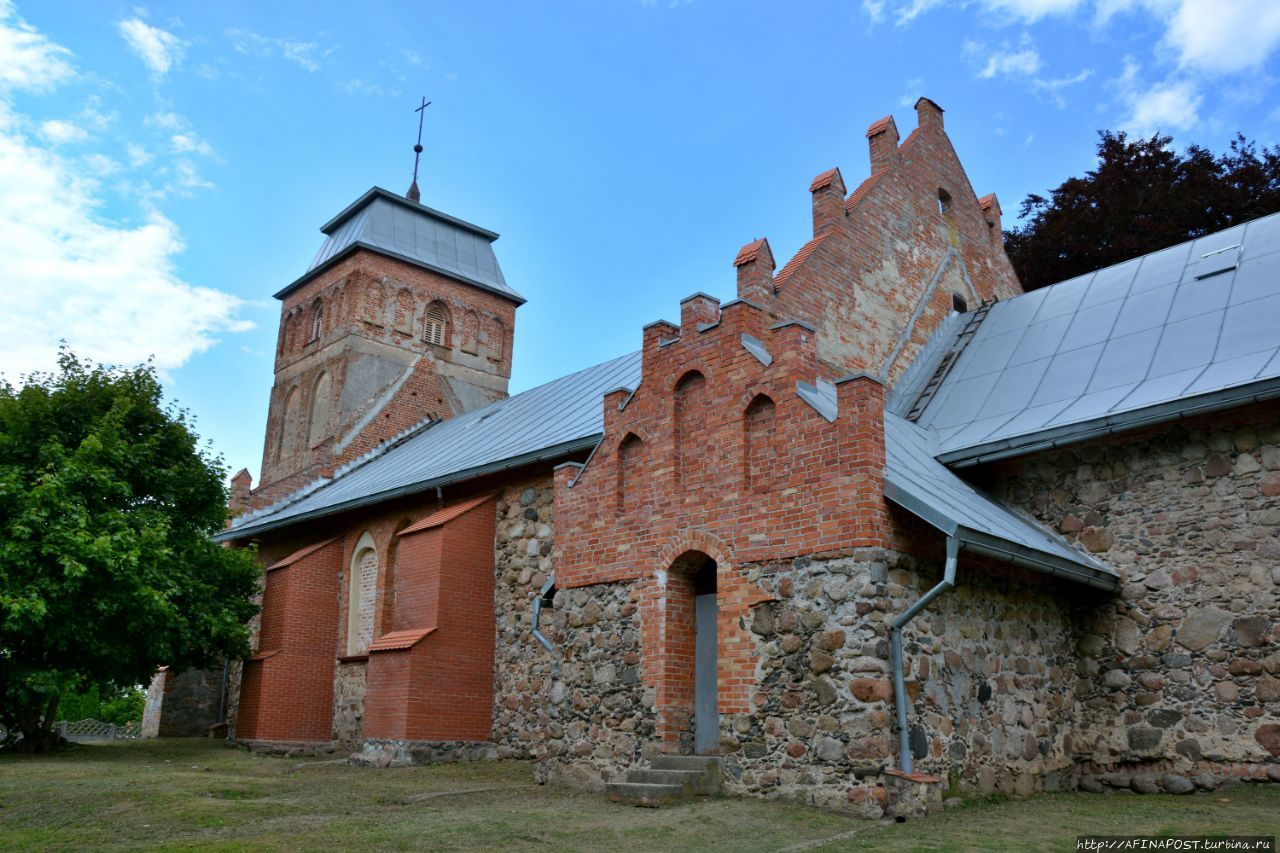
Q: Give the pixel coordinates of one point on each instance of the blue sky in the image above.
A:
(164, 168)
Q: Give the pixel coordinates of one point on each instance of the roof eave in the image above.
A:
(556, 451)
(377, 250)
(1174, 410)
(993, 546)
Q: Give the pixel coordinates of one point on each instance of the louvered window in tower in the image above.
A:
(317, 320)
(435, 325)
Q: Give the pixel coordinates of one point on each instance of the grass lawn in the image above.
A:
(200, 794)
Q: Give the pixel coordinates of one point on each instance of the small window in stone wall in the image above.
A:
(436, 323)
(944, 201)
(958, 304)
(361, 597)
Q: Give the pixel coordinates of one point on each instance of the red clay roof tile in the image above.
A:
(439, 517)
(299, 554)
(826, 179)
(800, 257)
(749, 252)
(397, 640)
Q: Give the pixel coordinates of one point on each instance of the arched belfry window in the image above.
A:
(362, 591)
(437, 321)
(317, 320)
(944, 201)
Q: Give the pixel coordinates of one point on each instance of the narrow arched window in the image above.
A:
(436, 322)
(629, 466)
(288, 437)
(317, 320)
(404, 312)
(690, 427)
(362, 590)
(318, 421)
(497, 344)
(944, 201)
(759, 450)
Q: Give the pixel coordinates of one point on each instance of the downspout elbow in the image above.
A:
(895, 639)
(543, 599)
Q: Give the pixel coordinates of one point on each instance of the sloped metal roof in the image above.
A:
(914, 480)
(383, 222)
(1187, 329)
(560, 417)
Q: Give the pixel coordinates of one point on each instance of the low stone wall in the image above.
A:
(989, 674)
(382, 752)
(1182, 675)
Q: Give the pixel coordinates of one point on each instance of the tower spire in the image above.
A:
(413, 194)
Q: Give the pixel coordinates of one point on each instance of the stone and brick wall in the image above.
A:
(1180, 679)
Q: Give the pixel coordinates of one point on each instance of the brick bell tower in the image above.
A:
(404, 314)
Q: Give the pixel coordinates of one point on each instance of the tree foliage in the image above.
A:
(107, 569)
(1142, 196)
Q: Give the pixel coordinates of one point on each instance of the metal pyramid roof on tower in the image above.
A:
(389, 224)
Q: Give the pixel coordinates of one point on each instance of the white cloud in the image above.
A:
(59, 132)
(101, 166)
(137, 154)
(874, 9)
(159, 50)
(190, 143)
(110, 289)
(1224, 37)
(1008, 62)
(1031, 11)
(305, 54)
(359, 86)
(911, 92)
(913, 9)
(28, 60)
(1167, 106)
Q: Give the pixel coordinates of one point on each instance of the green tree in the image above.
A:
(107, 569)
(1142, 196)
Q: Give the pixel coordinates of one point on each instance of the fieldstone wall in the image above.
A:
(1179, 681)
(580, 709)
(348, 703)
(183, 704)
(989, 673)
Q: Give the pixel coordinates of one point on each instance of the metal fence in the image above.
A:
(83, 730)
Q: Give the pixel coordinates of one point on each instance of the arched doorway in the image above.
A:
(706, 713)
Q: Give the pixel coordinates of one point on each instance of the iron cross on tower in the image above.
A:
(413, 194)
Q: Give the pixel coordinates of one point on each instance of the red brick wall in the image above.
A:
(887, 253)
(381, 301)
(818, 488)
(287, 689)
(441, 687)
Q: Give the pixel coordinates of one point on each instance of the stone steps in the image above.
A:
(670, 779)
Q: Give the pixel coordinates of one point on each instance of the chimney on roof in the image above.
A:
(828, 200)
(928, 115)
(991, 212)
(413, 194)
(241, 489)
(882, 137)
(755, 273)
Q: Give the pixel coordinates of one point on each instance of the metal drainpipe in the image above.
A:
(895, 636)
(537, 611)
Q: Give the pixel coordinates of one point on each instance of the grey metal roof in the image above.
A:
(1187, 329)
(914, 480)
(560, 417)
(383, 222)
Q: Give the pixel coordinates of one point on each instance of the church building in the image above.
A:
(879, 525)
